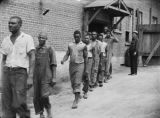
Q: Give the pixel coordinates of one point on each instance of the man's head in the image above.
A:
(14, 24)
(94, 35)
(42, 37)
(105, 29)
(108, 34)
(77, 36)
(135, 35)
(100, 37)
(87, 39)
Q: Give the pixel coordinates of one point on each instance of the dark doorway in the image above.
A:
(97, 26)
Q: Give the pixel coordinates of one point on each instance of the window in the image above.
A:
(139, 16)
(127, 36)
(154, 20)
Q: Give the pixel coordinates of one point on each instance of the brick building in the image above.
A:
(65, 16)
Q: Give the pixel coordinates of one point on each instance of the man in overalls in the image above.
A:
(44, 76)
(87, 79)
(103, 61)
(96, 45)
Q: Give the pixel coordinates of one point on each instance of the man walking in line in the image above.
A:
(44, 76)
(77, 51)
(96, 45)
(134, 54)
(110, 39)
(86, 79)
(103, 61)
(18, 55)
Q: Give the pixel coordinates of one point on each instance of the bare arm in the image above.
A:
(65, 58)
(31, 55)
(53, 63)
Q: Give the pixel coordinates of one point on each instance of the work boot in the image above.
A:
(85, 96)
(49, 113)
(105, 80)
(41, 115)
(100, 84)
(90, 89)
(96, 85)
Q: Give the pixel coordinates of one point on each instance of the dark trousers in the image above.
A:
(41, 103)
(85, 84)
(133, 63)
(14, 93)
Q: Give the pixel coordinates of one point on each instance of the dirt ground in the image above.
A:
(123, 96)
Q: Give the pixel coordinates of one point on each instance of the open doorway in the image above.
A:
(97, 26)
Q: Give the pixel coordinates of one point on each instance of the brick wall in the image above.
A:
(63, 18)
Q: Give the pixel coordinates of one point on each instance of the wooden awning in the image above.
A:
(116, 8)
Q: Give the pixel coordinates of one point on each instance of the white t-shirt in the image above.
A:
(89, 50)
(103, 46)
(17, 53)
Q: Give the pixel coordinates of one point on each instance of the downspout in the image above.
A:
(40, 13)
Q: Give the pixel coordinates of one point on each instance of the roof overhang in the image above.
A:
(115, 8)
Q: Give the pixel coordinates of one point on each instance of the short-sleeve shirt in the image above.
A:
(17, 53)
(76, 52)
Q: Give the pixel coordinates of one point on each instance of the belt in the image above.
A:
(15, 68)
(90, 57)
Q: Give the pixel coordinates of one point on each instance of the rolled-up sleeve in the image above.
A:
(30, 44)
(52, 55)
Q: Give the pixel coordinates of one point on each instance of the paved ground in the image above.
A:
(122, 97)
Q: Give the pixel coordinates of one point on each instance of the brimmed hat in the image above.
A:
(135, 32)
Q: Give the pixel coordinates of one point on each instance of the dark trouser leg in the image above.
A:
(110, 69)
(135, 64)
(7, 110)
(38, 104)
(47, 105)
(45, 102)
(85, 84)
(19, 85)
(132, 64)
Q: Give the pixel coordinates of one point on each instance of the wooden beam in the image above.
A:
(138, 19)
(85, 21)
(121, 10)
(106, 6)
(151, 54)
(119, 4)
(150, 16)
(124, 4)
(94, 15)
(115, 25)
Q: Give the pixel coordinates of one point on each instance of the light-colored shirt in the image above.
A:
(103, 47)
(89, 50)
(76, 52)
(17, 53)
(96, 45)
